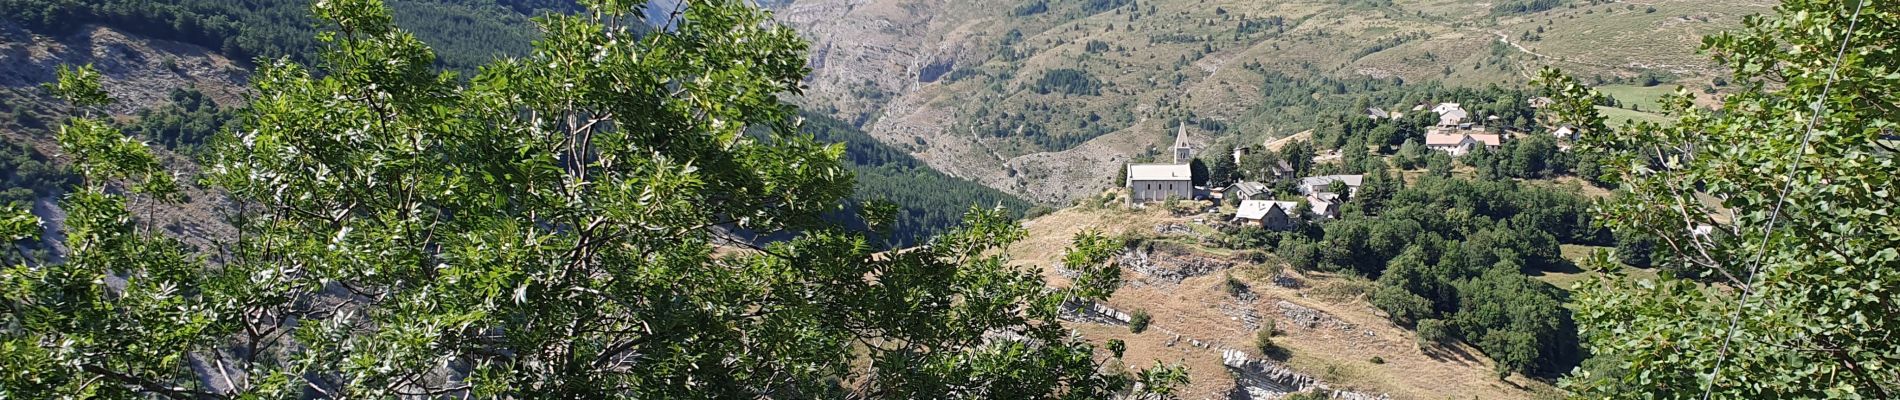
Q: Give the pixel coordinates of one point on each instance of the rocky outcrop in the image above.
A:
(1254, 378)
(1095, 312)
(1266, 379)
(1159, 267)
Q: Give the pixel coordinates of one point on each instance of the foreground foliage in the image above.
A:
(1819, 317)
(556, 227)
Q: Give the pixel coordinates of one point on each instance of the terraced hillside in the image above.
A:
(1044, 98)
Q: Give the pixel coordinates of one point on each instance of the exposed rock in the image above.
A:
(1242, 312)
(1089, 311)
(1309, 318)
(1286, 281)
(1265, 379)
(1161, 267)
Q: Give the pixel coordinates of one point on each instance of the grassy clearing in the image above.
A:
(1577, 254)
(1638, 97)
(1618, 117)
(1622, 39)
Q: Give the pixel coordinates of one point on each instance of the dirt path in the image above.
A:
(1506, 39)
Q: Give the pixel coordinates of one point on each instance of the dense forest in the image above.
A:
(928, 201)
(464, 33)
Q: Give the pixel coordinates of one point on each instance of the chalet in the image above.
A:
(1458, 144)
(1269, 214)
(1281, 170)
(1325, 205)
(1450, 114)
(1246, 191)
(1320, 184)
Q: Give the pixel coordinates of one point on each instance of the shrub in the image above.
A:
(1234, 286)
(1263, 340)
(1433, 331)
(1378, 360)
(1138, 321)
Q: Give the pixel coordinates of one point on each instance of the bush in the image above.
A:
(1234, 286)
(1433, 331)
(1299, 252)
(1138, 321)
(1263, 340)
(1378, 360)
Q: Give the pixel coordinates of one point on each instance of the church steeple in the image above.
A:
(1182, 152)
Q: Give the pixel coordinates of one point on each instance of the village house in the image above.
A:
(1320, 184)
(1245, 191)
(1269, 214)
(1450, 114)
(1160, 182)
(1281, 170)
(1325, 205)
(1565, 132)
(1457, 144)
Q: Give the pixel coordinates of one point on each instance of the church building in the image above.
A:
(1160, 182)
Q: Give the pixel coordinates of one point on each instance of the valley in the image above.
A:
(963, 86)
(870, 199)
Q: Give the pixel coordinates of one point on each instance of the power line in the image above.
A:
(1820, 107)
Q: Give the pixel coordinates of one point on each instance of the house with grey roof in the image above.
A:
(1245, 190)
(1320, 184)
(1269, 214)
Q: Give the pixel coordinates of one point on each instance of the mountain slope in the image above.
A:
(147, 76)
(465, 33)
(1041, 98)
(928, 201)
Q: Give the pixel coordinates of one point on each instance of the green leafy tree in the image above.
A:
(563, 225)
(1802, 310)
(1198, 173)
(1438, 164)
(1225, 171)
(1411, 154)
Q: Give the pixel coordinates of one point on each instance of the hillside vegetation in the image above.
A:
(928, 202)
(1035, 98)
(468, 33)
